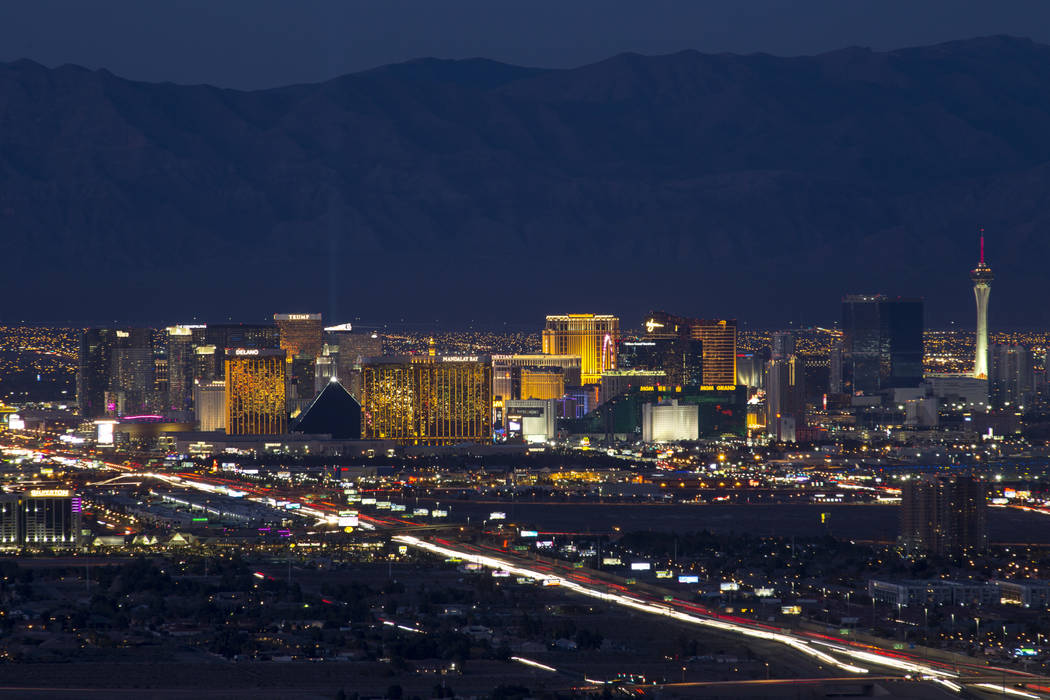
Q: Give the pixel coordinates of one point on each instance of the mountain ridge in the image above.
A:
(749, 186)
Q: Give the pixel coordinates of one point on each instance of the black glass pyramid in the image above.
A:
(334, 412)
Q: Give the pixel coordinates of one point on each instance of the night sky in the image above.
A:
(266, 43)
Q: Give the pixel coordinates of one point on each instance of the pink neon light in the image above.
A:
(134, 417)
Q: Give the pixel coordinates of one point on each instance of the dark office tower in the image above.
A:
(93, 364)
(116, 372)
(782, 345)
(882, 343)
(638, 354)
(179, 354)
(1011, 376)
(352, 347)
(945, 515)
(674, 349)
(302, 372)
(835, 385)
(785, 397)
(133, 373)
(301, 334)
(159, 343)
(207, 364)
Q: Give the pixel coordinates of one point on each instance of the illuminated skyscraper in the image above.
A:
(982, 286)
(255, 391)
(427, 400)
(301, 334)
(719, 346)
(691, 351)
(593, 337)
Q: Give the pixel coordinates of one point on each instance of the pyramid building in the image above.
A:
(333, 412)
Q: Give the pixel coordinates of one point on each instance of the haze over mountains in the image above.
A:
(750, 186)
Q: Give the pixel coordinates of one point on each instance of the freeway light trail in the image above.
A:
(640, 605)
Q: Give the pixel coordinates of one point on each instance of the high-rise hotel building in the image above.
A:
(718, 342)
(427, 400)
(255, 391)
(947, 515)
(301, 334)
(593, 337)
(690, 351)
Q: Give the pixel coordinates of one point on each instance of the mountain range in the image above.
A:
(749, 186)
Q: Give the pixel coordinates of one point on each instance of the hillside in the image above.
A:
(751, 186)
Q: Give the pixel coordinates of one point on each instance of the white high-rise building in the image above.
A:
(982, 286)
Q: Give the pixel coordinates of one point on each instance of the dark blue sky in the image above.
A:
(266, 43)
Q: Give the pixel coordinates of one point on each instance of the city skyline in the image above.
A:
(481, 351)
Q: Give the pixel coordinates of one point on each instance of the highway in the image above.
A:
(852, 658)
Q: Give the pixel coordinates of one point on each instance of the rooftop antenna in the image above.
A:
(982, 247)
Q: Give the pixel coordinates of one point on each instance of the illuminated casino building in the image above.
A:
(542, 383)
(9, 516)
(982, 287)
(718, 339)
(300, 334)
(49, 518)
(427, 400)
(619, 381)
(209, 405)
(507, 372)
(592, 337)
(721, 411)
(210, 343)
(690, 351)
(255, 391)
(671, 348)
